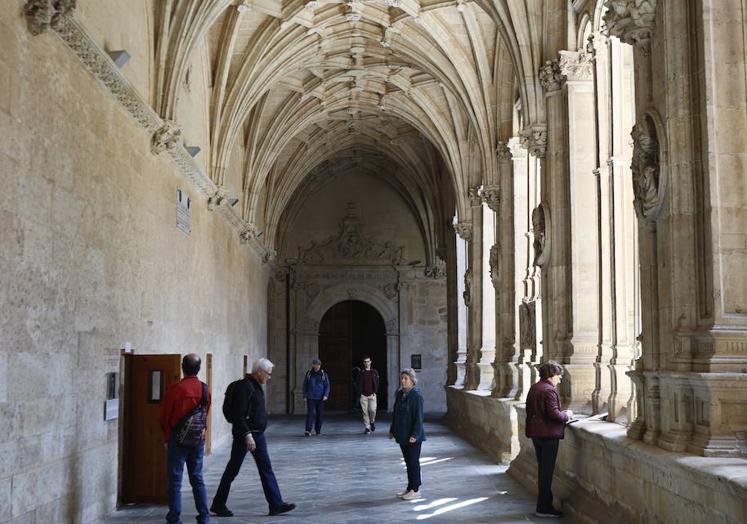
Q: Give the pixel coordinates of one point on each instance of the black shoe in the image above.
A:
(367, 431)
(307, 433)
(284, 508)
(373, 427)
(318, 433)
(221, 512)
(549, 514)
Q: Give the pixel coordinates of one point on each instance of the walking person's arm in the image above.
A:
(417, 421)
(326, 387)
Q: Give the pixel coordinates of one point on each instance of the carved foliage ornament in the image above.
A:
(632, 21)
(464, 230)
(575, 65)
(541, 237)
(645, 170)
(491, 195)
(166, 137)
(473, 194)
(436, 270)
(43, 14)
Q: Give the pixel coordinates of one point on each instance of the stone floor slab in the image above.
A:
(344, 476)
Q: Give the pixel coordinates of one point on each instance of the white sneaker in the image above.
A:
(400, 495)
(411, 495)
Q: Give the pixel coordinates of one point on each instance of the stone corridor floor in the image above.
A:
(344, 476)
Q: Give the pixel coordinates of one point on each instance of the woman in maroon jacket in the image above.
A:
(546, 426)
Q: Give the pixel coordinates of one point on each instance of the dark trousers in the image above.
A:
(546, 450)
(314, 414)
(177, 456)
(411, 454)
(264, 467)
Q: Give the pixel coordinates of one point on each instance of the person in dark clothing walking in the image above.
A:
(408, 431)
(546, 426)
(180, 400)
(315, 393)
(368, 385)
(249, 424)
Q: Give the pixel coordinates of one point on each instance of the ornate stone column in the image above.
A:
(569, 215)
(490, 204)
(474, 284)
(464, 232)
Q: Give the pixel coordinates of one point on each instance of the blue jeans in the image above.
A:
(177, 456)
(314, 414)
(264, 467)
(411, 454)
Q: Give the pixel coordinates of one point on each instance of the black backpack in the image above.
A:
(190, 430)
(229, 409)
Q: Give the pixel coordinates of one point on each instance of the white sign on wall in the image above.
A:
(183, 211)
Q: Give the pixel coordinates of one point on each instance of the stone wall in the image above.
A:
(602, 475)
(90, 258)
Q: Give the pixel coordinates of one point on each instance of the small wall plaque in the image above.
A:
(183, 212)
(416, 361)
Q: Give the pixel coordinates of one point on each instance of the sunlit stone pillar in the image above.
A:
(490, 197)
(464, 234)
(474, 298)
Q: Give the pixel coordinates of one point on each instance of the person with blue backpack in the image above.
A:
(315, 393)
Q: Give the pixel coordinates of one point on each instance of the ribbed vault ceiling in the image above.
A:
(412, 91)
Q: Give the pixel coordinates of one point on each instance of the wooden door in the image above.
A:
(335, 339)
(143, 454)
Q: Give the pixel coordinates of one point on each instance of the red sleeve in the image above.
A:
(552, 407)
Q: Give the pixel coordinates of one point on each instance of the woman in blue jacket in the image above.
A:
(407, 429)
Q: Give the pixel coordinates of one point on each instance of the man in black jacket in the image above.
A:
(249, 424)
(368, 385)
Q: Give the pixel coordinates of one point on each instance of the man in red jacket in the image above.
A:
(180, 399)
(546, 426)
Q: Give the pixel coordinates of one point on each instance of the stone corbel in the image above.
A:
(473, 194)
(575, 66)
(551, 77)
(534, 139)
(491, 195)
(166, 137)
(464, 230)
(43, 14)
(632, 21)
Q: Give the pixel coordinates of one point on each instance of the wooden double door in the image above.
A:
(350, 330)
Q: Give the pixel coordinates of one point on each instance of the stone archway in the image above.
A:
(308, 325)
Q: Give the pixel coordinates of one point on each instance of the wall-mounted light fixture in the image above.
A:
(119, 57)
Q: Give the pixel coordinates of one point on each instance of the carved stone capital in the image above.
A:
(576, 66)
(473, 194)
(166, 137)
(43, 14)
(248, 234)
(436, 270)
(491, 195)
(534, 139)
(464, 230)
(632, 21)
(503, 151)
(550, 76)
(269, 256)
(516, 148)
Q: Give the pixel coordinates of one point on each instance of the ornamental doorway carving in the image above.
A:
(348, 331)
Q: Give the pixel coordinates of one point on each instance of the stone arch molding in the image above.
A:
(341, 292)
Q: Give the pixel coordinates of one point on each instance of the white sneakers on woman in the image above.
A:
(409, 495)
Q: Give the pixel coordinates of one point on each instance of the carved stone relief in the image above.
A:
(541, 237)
(467, 293)
(534, 140)
(491, 195)
(495, 265)
(166, 137)
(632, 21)
(350, 246)
(527, 326)
(464, 230)
(550, 76)
(576, 66)
(474, 196)
(646, 171)
(437, 269)
(43, 14)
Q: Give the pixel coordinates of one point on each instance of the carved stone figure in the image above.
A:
(534, 140)
(467, 293)
(491, 195)
(632, 21)
(166, 137)
(550, 76)
(527, 328)
(473, 194)
(464, 230)
(645, 171)
(539, 226)
(43, 14)
(495, 265)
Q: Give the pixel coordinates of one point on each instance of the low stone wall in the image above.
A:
(601, 475)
